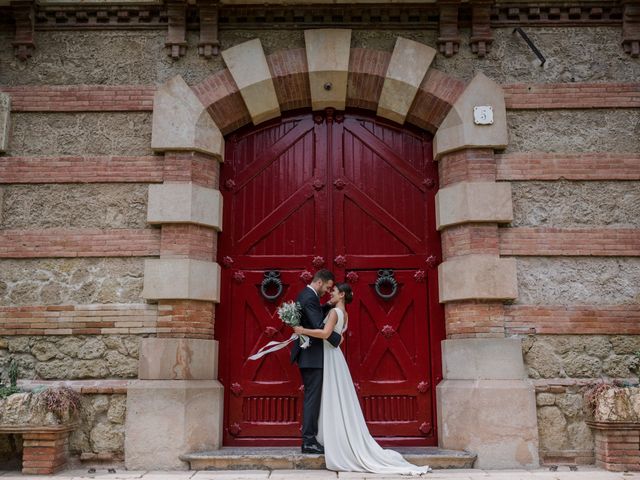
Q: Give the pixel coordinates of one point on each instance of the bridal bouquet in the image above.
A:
(290, 314)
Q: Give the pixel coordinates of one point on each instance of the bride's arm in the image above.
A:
(325, 332)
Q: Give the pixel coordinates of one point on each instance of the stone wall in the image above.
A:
(568, 363)
(104, 133)
(56, 281)
(108, 205)
(95, 57)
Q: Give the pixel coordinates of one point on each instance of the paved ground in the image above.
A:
(563, 473)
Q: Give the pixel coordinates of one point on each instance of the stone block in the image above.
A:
(178, 359)
(181, 278)
(328, 53)
(480, 277)
(458, 130)
(495, 419)
(248, 66)
(483, 359)
(181, 122)
(465, 202)
(169, 418)
(5, 112)
(408, 66)
(184, 202)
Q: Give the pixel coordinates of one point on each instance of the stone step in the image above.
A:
(289, 458)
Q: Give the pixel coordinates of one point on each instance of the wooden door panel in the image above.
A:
(265, 396)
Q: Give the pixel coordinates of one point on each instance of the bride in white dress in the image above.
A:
(348, 445)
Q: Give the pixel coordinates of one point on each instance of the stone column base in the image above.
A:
(168, 418)
(486, 404)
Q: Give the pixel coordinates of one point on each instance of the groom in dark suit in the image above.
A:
(310, 360)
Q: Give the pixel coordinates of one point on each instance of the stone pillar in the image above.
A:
(486, 403)
(176, 406)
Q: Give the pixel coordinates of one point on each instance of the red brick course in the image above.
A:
(474, 319)
(568, 320)
(617, 445)
(81, 169)
(470, 165)
(469, 238)
(201, 169)
(85, 242)
(367, 69)
(81, 98)
(289, 70)
(220, 94)
(95, 319)
(189, 241)
(570, 166)
(572, 95)
(186, 319)
(521, 241)
(44, 453)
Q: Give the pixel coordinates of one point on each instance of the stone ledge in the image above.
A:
(483, 359)
(5, 111)
(466, 202)
(185, 202)
(477, 277)
(273, 458)
(178, 359)
(181, 278)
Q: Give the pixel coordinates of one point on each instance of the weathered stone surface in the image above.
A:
(75, 206)
(542, 362)
(552, 429)
(596, 130)
(565, 204)
(578, 281)
(570, 404)
(100, 133)
(121, 366)
(580, 436)
(72, 281)
(618, 405)
(70, 57)
(593, 54)
(107, 437)
(625, 343)
(545, 399)
(117, 409)
(95, 58)
(580, 356)
(69, 357)
(477, 277)
(182, 278)
(185, 202)
(5, 111)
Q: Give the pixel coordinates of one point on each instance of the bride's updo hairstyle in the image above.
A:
(346, 289)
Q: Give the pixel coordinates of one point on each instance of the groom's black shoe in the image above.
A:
(313, 448)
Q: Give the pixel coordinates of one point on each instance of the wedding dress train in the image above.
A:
(348, 445)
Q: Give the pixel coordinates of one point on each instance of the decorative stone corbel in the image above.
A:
(631, 28)
(23, 13)
(448, 39)
(481, 37)
(177, 29)
(209, 44)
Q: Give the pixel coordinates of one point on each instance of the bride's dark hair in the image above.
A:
(346, 289)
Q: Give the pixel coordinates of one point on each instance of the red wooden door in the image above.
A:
(354, 195)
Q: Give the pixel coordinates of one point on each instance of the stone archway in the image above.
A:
(483, 377)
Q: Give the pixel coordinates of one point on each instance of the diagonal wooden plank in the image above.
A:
(274, 152)
(274, 219)
(384, 218)
(385, 153)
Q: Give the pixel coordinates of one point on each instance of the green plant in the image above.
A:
(6, 390)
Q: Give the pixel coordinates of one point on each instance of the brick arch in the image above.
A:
(221, 96)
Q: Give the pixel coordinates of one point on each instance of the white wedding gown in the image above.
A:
(348, 445)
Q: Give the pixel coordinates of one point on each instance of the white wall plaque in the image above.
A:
(483, 115)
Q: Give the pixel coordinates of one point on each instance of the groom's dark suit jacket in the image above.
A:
(312, 317)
